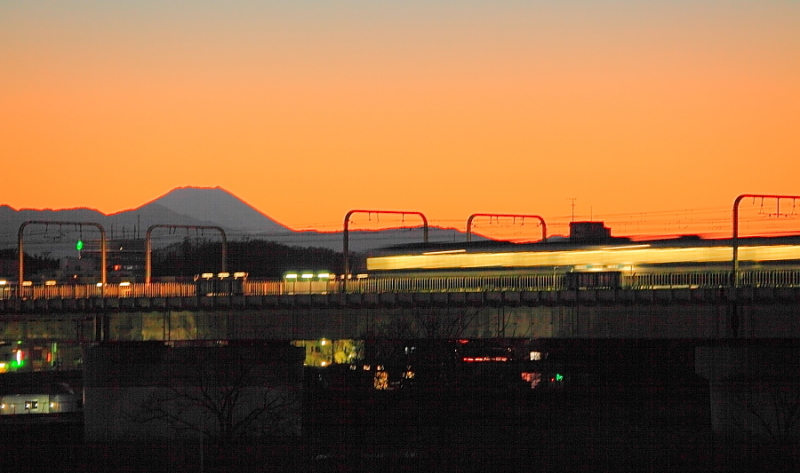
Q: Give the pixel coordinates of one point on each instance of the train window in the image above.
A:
(31, 405)
(593, 280)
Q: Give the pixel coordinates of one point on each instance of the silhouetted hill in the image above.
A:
(11, 220)
(134, 223)
(365, 240)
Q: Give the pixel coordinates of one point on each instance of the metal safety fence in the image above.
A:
(408, 284)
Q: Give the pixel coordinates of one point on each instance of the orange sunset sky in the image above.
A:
(307, 109)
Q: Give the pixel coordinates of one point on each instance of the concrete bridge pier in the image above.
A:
(754, 389)
(102, 327)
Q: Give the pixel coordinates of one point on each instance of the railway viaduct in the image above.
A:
(724, 335)
(668, 313)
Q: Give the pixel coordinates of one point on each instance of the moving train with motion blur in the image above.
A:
(594, 259)
(590, 258)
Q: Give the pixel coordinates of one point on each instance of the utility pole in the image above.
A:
(346, 233)
(541, 221)
(573, 199)
(148, 246)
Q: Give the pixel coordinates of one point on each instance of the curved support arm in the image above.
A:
(21, 252)
(735, 235)
(148, 246)
(472, 217)
(346, 242)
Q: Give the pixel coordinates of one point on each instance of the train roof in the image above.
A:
(560, 243)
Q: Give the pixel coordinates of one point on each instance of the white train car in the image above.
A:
(40, 403)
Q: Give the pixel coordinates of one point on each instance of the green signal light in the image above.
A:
(79, 245)
(559, 377)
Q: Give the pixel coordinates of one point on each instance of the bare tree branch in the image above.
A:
(774, 405)
(224, 394)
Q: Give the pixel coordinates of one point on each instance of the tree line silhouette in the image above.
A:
(259, 258)
(33, 263)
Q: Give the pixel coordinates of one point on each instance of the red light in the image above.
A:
(480, 359)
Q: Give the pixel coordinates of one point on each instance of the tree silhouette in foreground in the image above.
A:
(224, 394)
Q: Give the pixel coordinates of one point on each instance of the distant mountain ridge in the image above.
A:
(215, 204)
(191, 206)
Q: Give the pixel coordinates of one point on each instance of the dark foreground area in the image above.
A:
(611, 426)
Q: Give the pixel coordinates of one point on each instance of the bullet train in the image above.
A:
(604, 262)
